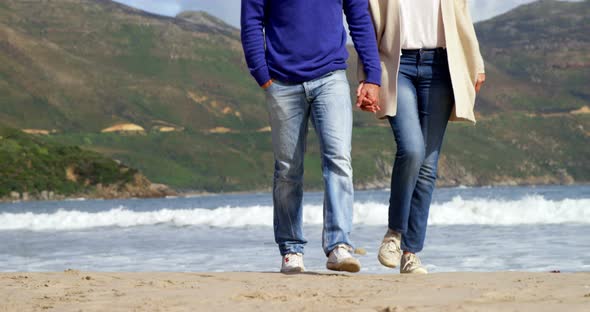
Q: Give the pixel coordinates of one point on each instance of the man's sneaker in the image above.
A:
(292, 263)
(390, 253)
(340, 259)
(411, 264)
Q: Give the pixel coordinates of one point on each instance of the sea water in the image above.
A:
(470, 229)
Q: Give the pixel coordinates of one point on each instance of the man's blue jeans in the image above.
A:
(326, 100)
(425, 101)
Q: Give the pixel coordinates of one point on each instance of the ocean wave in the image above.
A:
(528, 210)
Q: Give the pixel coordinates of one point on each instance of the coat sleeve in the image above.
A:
(377, 9)
(363, 36)
(467, 31)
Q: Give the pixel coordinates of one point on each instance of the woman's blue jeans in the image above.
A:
(425, 101)
(326, 100)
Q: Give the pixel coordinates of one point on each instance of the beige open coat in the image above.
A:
(464, 57)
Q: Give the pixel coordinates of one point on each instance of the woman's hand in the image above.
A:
(367, 97)
(481, 78)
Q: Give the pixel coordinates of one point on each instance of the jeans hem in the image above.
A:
(412, 250)
(291, 250)
(327, 250)
(397, 230)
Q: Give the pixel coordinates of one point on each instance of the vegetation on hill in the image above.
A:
(74, 68)
(89, 64)
(30, 166)
(538, 58)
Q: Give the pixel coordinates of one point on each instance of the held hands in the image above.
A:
(368, 94)
(367, 97)
(481, 78)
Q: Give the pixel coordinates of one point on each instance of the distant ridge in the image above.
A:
(208, 23)
(198, 20)
(538, 57)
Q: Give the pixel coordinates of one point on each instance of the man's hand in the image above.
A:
(266, 84)
(368, 97)
(481, 78)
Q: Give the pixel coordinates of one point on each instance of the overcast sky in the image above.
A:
(229, 10)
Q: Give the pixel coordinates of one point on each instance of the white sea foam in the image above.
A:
(529, 210)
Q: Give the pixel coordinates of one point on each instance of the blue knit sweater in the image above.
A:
(300, 40)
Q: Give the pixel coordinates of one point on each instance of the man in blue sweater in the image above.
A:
(296, 51)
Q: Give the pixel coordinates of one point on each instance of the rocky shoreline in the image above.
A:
(140, 187)
(156, 190)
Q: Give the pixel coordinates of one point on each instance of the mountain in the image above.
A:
(172, 97)
(90, 64)
(485, 9)
(209, 22)
(538, 57)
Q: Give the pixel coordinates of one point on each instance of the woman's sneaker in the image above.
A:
(340, 259)
(292, 263)
(390, 253)
(411, 264)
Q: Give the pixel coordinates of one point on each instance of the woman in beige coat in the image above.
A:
(432, 70)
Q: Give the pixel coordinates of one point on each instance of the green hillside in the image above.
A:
(32, 168)
(88, 64)
(74, 68)
(538, 58)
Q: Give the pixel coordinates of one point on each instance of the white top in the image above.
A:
(422, 24)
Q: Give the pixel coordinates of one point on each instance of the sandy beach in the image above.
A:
(87, 291)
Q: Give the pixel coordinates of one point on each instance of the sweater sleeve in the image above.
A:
(466, 25)
(363, 37)
(252, 33)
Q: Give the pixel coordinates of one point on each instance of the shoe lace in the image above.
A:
(412, 262)
(391, 246)
(294, 259)
(342, 251)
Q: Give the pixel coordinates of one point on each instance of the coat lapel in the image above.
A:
(393, 40)
(447, 13)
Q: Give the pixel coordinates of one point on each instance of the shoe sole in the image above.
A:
(416, 272)
(350, 265)
(293, 271)
(387, 263)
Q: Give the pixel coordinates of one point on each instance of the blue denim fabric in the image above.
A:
(326, 101)
(425, 102)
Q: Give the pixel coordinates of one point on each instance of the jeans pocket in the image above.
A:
(338, 76)
(269, 88)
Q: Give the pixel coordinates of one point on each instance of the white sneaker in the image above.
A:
(292, 263)
(390, 252)
(411, 264)
(340, 259)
